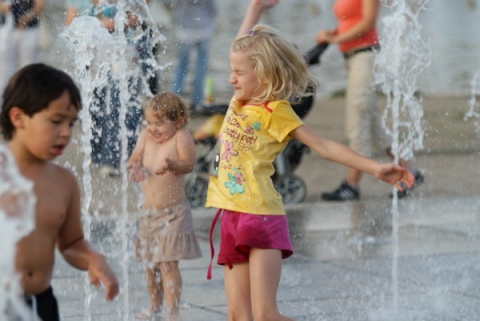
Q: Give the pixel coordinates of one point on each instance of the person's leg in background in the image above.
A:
(28, 46)
(183, 52)
(364, 125)
(360, 104)
(132, 124)
(9, 38)
(152, 73)
(201, 69)
(97, 116)
(110, 148)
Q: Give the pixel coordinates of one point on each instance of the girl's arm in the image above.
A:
(136, 172)
(185, 156)
(367, 23)
(330, 150)
(137, 154)
(254, 12)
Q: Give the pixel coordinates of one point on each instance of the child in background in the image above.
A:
(266, 71)
(40, 106)
(164, 153)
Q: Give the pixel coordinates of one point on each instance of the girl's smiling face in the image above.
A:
(160, 129)
(243, 77)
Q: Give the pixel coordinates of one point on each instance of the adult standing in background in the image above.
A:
(194, 20)
(77, 8)
(106, 103)
(19, 35)
(357, 40)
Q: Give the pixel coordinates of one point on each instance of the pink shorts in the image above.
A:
(242, 231)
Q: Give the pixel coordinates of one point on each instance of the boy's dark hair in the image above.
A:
(31, 89)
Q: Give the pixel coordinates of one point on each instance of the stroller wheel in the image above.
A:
(196, 191)
(292, 188)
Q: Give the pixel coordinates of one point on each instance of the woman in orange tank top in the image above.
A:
(357, 40)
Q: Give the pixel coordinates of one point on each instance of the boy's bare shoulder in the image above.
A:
(64, 176)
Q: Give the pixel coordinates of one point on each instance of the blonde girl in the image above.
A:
(266, 72)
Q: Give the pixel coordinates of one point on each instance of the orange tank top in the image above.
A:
(349, 13)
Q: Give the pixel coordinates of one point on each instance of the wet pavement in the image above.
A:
(344, 266)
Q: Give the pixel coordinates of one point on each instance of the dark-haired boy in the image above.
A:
(40, 106)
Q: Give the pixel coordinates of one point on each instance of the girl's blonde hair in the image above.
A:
(168, 105)
(280, 67)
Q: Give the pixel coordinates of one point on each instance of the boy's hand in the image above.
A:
(99, 272)
(396, 175)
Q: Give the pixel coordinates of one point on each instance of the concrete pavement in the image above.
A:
(347, 266)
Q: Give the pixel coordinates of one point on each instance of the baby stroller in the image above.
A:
(290, 186)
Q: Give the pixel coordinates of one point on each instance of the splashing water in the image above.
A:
(473, 104)
(121, 64)
(403, 57)
(17, 203)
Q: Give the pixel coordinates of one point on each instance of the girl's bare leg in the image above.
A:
(155, 293)
(172, 289)
(155, 290)
(265, 272)
(237, 290)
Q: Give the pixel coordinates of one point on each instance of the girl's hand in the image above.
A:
(136, 172)
(265, 4)
(397, 176)
(164, 167)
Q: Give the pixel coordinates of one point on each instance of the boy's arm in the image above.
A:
(77, 251)
(330, 150)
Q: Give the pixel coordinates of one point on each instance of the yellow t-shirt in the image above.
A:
(250, 138)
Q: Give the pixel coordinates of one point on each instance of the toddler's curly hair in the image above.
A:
(168, 105)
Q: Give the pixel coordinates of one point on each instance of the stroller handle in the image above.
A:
(312, 56)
